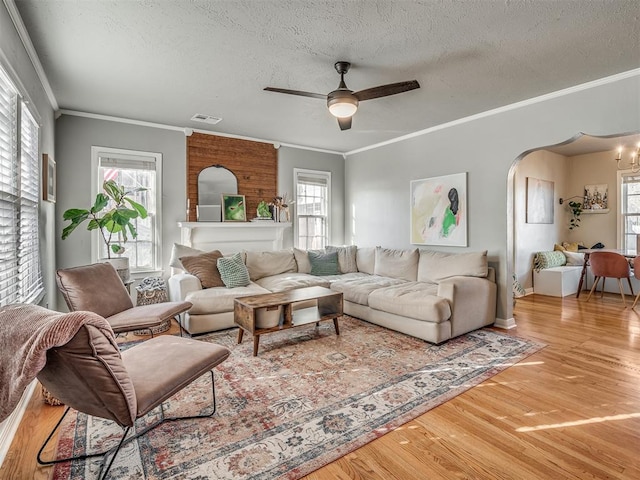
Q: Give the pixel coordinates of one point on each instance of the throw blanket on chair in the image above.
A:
(26, 333)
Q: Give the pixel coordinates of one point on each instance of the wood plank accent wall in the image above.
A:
(255, 164)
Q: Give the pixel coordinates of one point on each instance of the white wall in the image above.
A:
(530, 238)
(74, 137)
(486, 147)
(590, 169)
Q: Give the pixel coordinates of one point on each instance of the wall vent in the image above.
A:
(201, 117)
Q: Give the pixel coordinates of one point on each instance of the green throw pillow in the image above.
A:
(324, 263)
(544, 260)
(233, 271)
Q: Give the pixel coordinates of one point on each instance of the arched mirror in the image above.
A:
(212, 183)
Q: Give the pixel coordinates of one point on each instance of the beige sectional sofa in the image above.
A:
(431, 295)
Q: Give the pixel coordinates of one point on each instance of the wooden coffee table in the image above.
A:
(329, 307)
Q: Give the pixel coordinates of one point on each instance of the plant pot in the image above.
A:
(121, 264)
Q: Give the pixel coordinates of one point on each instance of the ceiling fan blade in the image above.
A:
(345, 123)
(296, 92)
(386, 90)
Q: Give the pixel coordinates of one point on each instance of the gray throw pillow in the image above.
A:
(324, 263)
(233, 271)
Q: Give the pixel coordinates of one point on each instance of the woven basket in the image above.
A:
(147, 297)
(49, 398)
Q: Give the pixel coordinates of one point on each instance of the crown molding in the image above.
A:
(31, 51)
(506, 108)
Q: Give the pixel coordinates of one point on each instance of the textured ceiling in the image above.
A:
(164, 61)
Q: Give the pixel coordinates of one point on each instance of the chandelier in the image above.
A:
(633, 164)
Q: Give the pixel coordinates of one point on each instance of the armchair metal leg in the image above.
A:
(125, 439)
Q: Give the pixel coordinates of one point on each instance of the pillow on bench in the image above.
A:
(544, 260)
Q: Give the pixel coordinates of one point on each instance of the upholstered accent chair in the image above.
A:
(609, 265)
(91, 375)
(98, 288)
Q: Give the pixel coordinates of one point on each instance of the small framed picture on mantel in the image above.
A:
(48, 178)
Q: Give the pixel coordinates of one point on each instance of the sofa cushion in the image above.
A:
(366, 259)
(178, 251)
(302, 259)
(414, 300)
(436, 266)
(220, 299)
(205, 267)
(263, 264)
(402, 264)
(284, 282)
(357, 290)
(346, 257)
(233, 271)
(324, 263)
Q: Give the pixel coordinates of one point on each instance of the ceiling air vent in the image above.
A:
(200, 117)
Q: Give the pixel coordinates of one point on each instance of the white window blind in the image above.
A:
(133, 169)
(29, 271)
(313, 195)
(20, 272)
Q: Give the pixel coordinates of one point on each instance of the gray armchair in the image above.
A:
(98, 288)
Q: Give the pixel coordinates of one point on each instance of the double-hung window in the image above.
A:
(629, 217)
(133, 169)
(20, 270)
(312, 205)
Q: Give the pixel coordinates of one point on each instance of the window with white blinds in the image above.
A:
(134, 169)
(629, 210)
(313, 200)
(20, 272)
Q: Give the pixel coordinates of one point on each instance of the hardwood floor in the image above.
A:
(570, 411)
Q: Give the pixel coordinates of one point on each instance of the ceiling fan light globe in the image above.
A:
(342, 109)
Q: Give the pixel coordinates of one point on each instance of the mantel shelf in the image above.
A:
(229, 237)
(600, 210)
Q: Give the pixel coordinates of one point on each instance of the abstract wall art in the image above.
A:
(439, 210)
(539, 201)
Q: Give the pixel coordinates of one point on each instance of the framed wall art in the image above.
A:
(539, 201)
(48, 178)
(234, 208)
(596, 197)
(439, 210)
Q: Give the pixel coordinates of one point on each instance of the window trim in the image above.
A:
(96, 152)
(320, 174)
(619, 214)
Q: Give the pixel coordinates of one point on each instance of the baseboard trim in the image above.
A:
(505, 323)
(9, 427)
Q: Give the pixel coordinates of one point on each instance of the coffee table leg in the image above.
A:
(256, 341)
(240, 334)
(335, 324)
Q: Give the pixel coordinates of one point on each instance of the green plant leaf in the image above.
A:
(137, 207)
(73, 213)
(132, 229)
(101, 202)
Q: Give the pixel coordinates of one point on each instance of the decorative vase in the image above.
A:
(121, 264)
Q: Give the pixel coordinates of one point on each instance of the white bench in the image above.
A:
(557, 281)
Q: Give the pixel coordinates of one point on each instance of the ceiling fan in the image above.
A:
(343, 102)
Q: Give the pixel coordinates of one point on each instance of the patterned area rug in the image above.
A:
(308, 398)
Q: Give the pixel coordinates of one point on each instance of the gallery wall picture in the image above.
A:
(439, 210)
(48, 178)
(596, 197)
(539, 201)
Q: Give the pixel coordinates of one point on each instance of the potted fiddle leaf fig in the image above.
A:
(112, 212)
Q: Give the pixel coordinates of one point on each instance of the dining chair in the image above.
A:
(609, 265)
(98, 288)
(636, 273)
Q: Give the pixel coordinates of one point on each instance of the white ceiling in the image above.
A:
(164, 61)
